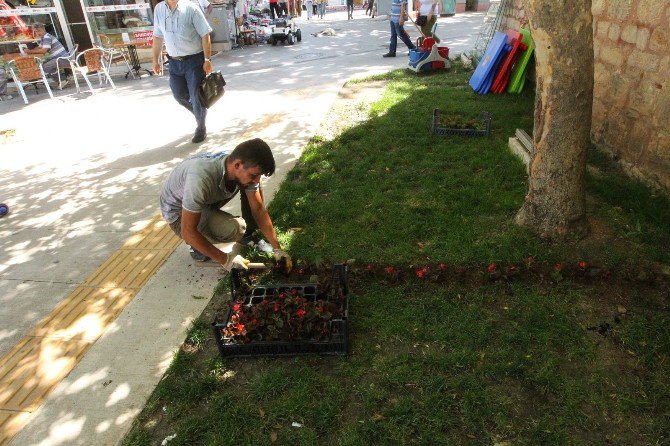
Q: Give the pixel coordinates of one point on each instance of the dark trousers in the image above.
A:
(397, 30)
(246, 213)
(275, 10)
(185, 78)
(350, 10)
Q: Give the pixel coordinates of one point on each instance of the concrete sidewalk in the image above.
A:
(81, 176)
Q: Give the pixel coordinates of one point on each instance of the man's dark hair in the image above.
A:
(255, 152)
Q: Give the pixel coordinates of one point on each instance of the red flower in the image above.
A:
(558, 266)
(282, 296)
(421, 272)
(389, 269)
(236, 307)
(276, 307)
(583, 264)
(443, 266)
(294, 291)
(492, 267)
(240, 329)
(254, 321)
(301, 313)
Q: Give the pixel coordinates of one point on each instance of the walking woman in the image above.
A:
(368, 10)
(308, 5)
(321, 5)
(426, 17)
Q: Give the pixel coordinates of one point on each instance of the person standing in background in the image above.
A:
(398, 15)
(275, 10)
(426, 17)
(283, 6)
(309, 5)
(185, 31)
(321, 7)
(205, 6)
(350, 9)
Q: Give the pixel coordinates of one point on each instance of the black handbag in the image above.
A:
(421, 20)
(211, 89)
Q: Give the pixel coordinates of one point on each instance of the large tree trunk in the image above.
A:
(562, 30)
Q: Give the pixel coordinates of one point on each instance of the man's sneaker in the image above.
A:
(389, 55)
(247, 240)
(197, 255)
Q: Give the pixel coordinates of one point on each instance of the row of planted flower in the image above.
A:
(290, 316)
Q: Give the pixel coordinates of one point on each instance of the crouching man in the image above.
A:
(192, 197)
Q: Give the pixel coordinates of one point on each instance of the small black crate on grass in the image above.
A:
(438, 129)
(334, 295)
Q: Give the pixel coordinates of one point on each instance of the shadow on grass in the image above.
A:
(545, 361)
(389, 191)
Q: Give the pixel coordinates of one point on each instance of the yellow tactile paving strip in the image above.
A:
(52, 348)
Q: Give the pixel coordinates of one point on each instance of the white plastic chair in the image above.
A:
(27, 70)
(90, 62)
(64, 62)
(114, 55)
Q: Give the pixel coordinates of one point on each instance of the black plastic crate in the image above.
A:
(337, 344)
(445, 131)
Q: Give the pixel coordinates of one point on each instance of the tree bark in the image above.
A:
(555, 204)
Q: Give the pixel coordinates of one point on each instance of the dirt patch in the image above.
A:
(352, 106)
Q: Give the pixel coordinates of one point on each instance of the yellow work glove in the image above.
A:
(236, 262)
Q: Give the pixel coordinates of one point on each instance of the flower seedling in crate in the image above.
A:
(289, 316)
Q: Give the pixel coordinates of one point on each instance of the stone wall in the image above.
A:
(631, 105)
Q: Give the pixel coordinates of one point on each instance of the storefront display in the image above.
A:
(119, 20)
(17, 17)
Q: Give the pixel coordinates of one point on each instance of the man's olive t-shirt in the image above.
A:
(196, 183)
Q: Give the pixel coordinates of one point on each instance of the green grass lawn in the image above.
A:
(545, 357)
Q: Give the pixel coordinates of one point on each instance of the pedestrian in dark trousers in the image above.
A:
(275, 10)
(283, 6)
(185, 31)
(398, 15)
(350, 9)
(368, 10)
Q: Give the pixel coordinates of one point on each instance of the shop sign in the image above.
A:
(131, 7)
(146, 37)
(26, 11)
